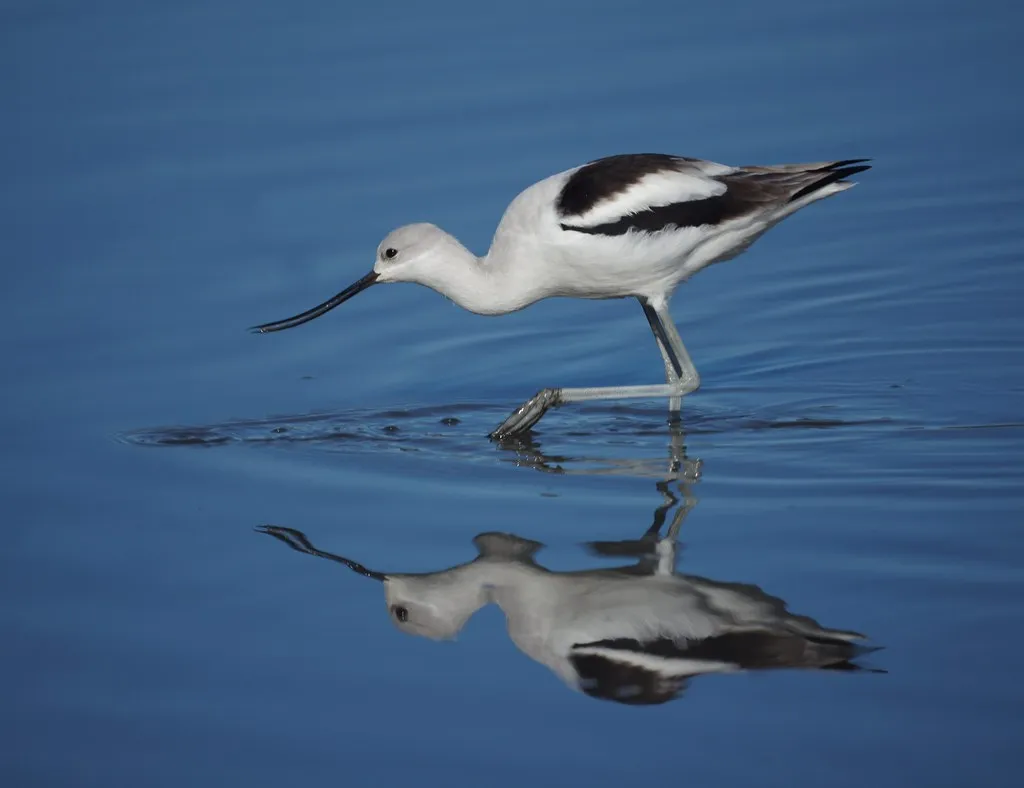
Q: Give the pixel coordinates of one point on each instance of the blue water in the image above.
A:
(174, 173)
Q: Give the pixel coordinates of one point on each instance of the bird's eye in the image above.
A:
(390, 253)
(399, 612)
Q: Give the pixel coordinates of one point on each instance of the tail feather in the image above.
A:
(845, 163)
(832, 173)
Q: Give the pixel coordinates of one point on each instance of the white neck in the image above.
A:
(495, 284)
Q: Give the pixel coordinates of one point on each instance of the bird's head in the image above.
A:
(421, 253)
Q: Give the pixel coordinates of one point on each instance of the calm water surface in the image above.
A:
(176, 172)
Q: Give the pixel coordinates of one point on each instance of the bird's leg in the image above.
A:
(528, 414)
(683, 381)
(671, 376)
(679, 369)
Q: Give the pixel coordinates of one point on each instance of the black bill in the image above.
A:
(297, 540)
(326, 306)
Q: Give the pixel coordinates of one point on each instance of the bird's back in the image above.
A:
(638, 224)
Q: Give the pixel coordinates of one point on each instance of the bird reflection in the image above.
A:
(634, 634)
(525, 451)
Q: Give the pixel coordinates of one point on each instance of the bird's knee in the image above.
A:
(687, 385)
(549, 398)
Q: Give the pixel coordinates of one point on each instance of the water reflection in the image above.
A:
(526, 452)
(636, 633)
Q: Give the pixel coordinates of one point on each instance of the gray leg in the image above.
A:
(528, 414)
(677, 360)
(684, 379)
(671, 364)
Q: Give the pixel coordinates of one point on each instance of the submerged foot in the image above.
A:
(528, 414)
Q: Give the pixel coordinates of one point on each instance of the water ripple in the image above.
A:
(600, 439)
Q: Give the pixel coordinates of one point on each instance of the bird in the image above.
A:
(634, 634)
(628, 225)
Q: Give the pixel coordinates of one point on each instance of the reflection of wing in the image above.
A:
(743, 605)
(607, 677)
(742, 650)
(632, 671)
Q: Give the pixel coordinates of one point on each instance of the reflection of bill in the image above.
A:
(633, 634)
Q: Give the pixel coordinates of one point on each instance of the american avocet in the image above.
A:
(629, 225)
(632, 634)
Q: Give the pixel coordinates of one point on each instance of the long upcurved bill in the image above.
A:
(326, 306)
(297, 540)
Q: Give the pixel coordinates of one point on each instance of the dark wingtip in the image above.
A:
(832, 173)
(846, 172)
(846, 163)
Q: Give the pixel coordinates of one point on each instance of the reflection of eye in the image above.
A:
(389, 253)
(399, 612)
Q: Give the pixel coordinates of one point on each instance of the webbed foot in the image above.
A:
(528, 414)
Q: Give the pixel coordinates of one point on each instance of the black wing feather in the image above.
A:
(602, 179)
(747, 190)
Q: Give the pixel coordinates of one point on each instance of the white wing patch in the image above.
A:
(651, 191)
(666, 666)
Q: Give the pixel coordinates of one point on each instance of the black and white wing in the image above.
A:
(651, 192)
(654, 670)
